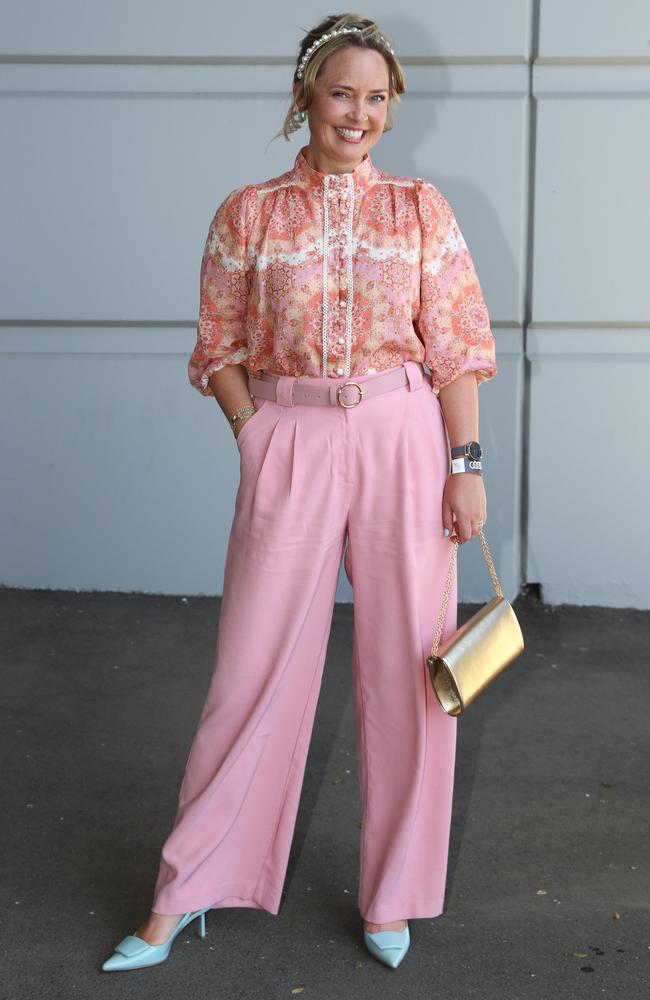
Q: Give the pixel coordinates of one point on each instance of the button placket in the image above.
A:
(333, 346)
(325, 272)
(338, 216)
(347, 285)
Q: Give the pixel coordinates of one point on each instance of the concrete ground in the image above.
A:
(548, 886)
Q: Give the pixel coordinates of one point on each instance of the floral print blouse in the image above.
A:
(339, 275)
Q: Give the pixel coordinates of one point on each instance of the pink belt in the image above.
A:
(292, 389)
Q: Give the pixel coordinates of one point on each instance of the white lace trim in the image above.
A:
(453, 243)
(349, 247)
(264, 261)
(326, 254)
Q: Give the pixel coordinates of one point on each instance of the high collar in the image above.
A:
(363, 176)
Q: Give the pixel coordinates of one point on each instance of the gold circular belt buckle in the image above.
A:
(340, 390)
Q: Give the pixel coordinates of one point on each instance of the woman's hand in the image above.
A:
(464, 505)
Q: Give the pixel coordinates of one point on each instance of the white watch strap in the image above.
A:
(464, 464)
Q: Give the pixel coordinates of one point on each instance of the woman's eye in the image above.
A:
(342, 93)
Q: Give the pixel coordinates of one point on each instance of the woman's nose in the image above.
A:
(357, 114)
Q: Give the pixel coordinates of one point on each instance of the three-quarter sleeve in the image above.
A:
(453, 321)
(220, 335)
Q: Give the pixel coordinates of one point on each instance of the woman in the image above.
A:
(323, 292)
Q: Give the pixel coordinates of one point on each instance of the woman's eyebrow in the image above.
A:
(346, 86)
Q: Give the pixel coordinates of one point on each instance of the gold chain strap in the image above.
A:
(445, 596)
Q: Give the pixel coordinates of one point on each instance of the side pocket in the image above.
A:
(258, 403)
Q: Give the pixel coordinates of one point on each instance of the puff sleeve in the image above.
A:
(221, 335)
(453, 321)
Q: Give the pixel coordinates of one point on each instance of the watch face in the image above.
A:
(475, 450)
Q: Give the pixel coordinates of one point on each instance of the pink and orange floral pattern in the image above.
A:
(339, 275)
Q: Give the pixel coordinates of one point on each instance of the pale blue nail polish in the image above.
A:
(446, 532)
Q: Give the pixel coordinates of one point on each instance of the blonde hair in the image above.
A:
(368, 37)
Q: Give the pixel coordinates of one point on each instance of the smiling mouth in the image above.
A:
(351, 134)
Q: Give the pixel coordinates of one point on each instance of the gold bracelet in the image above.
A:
(247, 410)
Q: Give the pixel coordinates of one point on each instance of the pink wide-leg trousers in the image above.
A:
(312, 479)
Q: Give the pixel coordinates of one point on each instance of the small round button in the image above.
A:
(339, 371)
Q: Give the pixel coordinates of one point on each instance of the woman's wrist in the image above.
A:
(467, 458)
(241, 414)
(462, 465)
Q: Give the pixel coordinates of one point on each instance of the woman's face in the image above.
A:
(350, 94)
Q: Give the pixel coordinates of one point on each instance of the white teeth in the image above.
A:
(350, 133)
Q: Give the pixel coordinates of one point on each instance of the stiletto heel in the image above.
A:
(134, 952)
(389, 947)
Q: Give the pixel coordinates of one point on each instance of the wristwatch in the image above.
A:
(471, 449)
(467, 458)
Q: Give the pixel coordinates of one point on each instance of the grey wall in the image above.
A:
(123, 129)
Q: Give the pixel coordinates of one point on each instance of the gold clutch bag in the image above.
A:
(479, 650)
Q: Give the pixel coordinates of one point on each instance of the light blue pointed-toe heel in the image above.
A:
(389, 947)
(134, 952)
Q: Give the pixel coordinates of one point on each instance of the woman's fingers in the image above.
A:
(465, 528)
(447, 517)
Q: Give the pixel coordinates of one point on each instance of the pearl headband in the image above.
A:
(323, 38)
